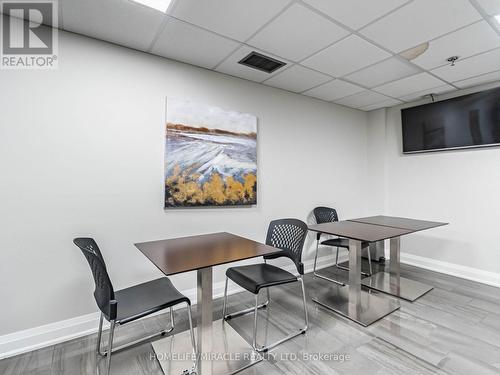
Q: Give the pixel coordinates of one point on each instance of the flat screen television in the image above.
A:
(463, 122)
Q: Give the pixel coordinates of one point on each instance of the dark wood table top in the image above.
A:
(359, 231)
(195, 252)
(399, 222)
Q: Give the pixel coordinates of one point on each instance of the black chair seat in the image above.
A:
(147, 298)
(341, 242)
(337, 242)
(257, 276)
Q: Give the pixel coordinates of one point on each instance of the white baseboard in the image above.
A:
(464, 272)
(50, 334)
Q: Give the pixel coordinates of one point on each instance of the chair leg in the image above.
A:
(306, 317)
(110, 346)
(163, 332)
(99, 336)
(316, 256)
(242, 312)
(362, 273)
(255, 313)
(268, 294)
(369, 260)
(301, 331)
(225, 302)
(193, 341)
(172, 323)
(337, 262)
(317, 274)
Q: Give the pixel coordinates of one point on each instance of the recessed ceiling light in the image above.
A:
(161, 5)
(497, 17)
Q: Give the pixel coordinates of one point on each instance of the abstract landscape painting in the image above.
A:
(210, 156)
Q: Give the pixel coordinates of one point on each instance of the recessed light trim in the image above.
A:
(161, 5)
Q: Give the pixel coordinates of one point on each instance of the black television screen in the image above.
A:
(466, 121)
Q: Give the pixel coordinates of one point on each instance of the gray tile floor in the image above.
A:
(454, 329)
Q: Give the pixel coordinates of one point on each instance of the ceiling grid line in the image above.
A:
(160, 30)
(351, 32)
(364, 37)
(369, 40)
(256, 32)
(486, 16)
(478, 76)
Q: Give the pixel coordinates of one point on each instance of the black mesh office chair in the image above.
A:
(288, 235)
(129, 304)
(328, 215)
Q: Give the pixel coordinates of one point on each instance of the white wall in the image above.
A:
(81, 154)
(376, 161)
(459, 187)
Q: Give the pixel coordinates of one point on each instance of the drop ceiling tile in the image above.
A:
(230, 65)
(471, 67)
(435, 90)
(362, 99)
(471, 40)
(121, 22)
(420, 21)
(491, 7)
(496, 23)
(334, 90)
(355, 13)
(409, 85)
(184, 42)
(482, 79)
(346, 56)
(284, 38)
(382, 72)
(237, 19)
(297, 79)
(385, 104)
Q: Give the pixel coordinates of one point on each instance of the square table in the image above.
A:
(399, 222)
(391, 282)
(201, 253)
(350, 300)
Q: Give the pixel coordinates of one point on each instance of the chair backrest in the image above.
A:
(325, 215)
(288, 235)
(104, 293)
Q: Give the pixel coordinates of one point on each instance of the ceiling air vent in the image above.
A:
(258, 61)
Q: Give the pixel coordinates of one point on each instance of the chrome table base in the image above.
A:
(352, 302)
(360, 306)
(220, 349)
(392, 283)
(230, 353)
(396, 286)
